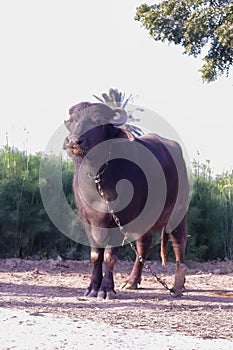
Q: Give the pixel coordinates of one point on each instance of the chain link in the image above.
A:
(125, 235)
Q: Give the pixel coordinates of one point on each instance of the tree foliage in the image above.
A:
(194, 25)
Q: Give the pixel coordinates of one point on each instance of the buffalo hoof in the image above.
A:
(129, 286)
(91, 293)
(176, 293)
(178, 287)
(110, 295)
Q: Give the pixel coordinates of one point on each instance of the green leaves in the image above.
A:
(210, 216)
(193, 25)
(25, 228)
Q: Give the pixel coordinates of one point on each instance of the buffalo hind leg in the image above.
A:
(164, 243)
(143, 246)
(179, 239)
(106, 290)
(97, 255)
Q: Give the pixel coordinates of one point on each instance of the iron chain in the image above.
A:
(125, 235)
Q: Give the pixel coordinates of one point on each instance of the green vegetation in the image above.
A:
(26, 230)
(210, 219)
(194, 25)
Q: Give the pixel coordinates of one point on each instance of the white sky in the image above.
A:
(57, 53)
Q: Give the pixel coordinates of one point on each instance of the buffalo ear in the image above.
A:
(127, 134)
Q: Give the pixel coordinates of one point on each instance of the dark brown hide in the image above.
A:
(89, 126)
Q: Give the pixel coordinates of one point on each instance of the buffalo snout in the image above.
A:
(73, 141)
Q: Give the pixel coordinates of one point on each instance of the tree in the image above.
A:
(194, 25)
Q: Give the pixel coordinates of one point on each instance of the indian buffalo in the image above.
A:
(106, 154)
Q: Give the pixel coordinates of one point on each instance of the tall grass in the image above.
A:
(26, 230)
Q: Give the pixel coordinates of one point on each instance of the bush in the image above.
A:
(26, 230)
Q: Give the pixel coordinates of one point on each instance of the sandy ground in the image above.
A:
(42, 307)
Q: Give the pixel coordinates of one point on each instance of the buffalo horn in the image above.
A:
(120, 117)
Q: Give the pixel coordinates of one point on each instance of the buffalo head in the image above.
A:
(91, 124)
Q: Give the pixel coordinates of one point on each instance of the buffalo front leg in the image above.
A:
(97, 273)
(179, 239)
(143, 246)
(106, 290)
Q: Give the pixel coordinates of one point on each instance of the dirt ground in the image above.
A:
(42, 293)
